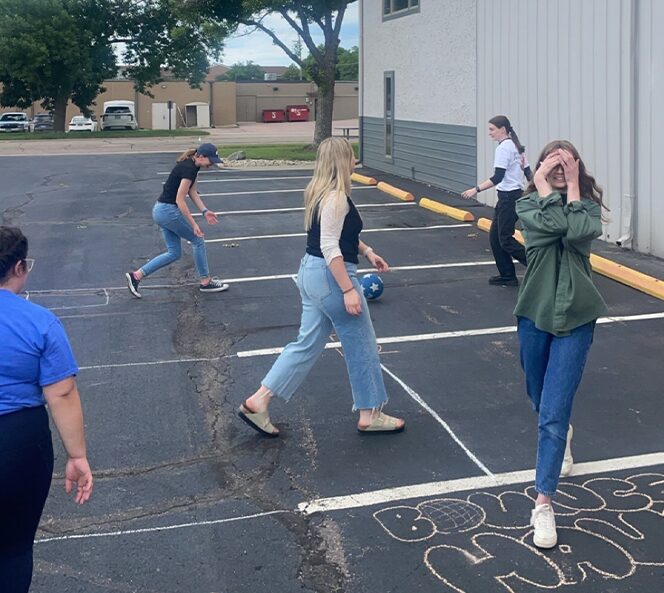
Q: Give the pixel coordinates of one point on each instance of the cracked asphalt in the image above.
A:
(189, 499)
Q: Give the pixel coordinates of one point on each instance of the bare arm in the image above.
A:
(64, 403)
(210, 216)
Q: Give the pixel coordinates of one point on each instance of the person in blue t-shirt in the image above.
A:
(37, 367)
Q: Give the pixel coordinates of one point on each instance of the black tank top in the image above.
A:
(349, 241)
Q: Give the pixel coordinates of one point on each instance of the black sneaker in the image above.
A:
(215, 285)
(132, 284)
(502, 281)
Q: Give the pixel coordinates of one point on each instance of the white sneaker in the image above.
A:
(544, 522)
(568, 460)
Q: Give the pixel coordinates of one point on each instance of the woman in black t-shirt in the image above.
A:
(332, 300)
(172, 214)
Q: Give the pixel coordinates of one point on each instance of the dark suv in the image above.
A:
(43, 122)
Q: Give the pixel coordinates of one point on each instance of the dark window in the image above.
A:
(389, 114)
(395, 8)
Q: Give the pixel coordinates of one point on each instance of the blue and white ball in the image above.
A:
(372, 286)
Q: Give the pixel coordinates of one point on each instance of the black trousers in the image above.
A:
(504, 246)
(26, 469)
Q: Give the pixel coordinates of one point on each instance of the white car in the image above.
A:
(14, 121)
(80, 123)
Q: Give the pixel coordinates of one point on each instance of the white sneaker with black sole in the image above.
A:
(544, 522)
(132, 285)
(215, 285)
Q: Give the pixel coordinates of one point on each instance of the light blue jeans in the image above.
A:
(323, 311)
(554, 367)
(174, 227)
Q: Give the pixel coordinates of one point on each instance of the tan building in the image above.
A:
(217, 103)
(254, 97)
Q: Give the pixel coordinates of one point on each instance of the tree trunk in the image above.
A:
(324, 105)
(60, 113)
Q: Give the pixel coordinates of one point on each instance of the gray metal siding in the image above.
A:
(440, 154)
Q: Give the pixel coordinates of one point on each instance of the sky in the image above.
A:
(258, 47)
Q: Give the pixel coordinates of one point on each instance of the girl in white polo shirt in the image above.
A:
(511, 170)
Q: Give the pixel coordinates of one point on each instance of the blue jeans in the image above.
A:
(174, 227)
(322, 311)
(553, 366)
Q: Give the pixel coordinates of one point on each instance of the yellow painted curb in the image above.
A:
(610, 269)
(628, 276)
(396, 192)
(446, 210)
(363, 179)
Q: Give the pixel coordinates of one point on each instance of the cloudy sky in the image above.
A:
(258, 46)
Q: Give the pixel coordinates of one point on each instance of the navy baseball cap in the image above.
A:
(210, 151)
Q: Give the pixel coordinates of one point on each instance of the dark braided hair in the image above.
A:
(13, 249)
(501, 121)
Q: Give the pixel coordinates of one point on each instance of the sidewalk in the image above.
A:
(245, 133)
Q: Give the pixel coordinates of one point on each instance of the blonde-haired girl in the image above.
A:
(332, 300)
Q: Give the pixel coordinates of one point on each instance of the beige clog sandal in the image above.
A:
(382, 424)
(259, 421)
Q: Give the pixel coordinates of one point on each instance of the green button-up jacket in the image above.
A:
(558, 293)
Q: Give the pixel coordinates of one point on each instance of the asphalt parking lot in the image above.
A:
(189, 499)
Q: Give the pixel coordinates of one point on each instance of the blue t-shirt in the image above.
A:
(34, 352)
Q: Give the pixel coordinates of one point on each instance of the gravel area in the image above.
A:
(250, 163)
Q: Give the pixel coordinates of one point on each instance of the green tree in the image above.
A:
(302, 16)
(292, 73)
(54, 51)
(243, 71)
(347, 64)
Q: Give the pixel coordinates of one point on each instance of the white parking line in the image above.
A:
(228, 179)
(418, 399)
(269, 191)
(391, 495)
(153, 529)
(489, 331)
(386, 495)
(301, 208)
(387, 340)
(384, 230)
(260, 278)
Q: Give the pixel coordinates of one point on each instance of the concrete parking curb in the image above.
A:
(446, 210)
(363, 179)
(395, 191)
(606, 267)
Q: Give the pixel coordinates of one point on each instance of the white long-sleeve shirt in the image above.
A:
(331, 225)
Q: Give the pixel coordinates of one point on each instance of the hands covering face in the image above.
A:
(564, 161)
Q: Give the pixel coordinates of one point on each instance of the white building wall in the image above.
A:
(432, 53)
(649, 207)
(580, 71)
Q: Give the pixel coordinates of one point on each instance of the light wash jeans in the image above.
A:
(174, 227)
(553, 366)
(322, 311)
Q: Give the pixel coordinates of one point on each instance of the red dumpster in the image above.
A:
(273, 115)
(297, 112)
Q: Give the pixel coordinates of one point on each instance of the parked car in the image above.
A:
(14, 121)
(80, 123)
(43, 122)
(118, 117)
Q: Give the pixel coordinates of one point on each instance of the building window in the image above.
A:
(397, 8)
(389, 114)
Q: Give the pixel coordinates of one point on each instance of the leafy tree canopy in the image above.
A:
(243, 71)
(56, 50)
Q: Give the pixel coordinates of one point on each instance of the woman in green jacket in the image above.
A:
(557, 308)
